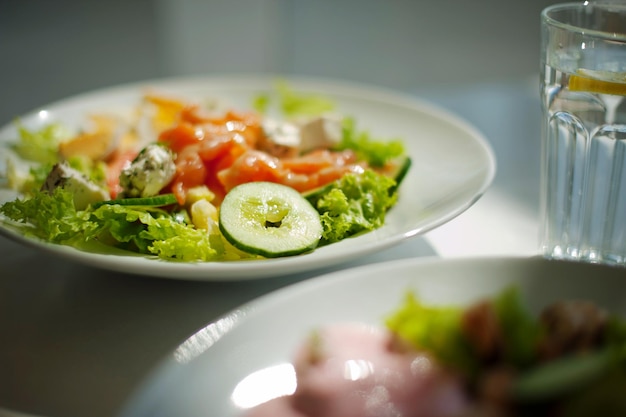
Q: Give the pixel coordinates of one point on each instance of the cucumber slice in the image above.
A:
(268, 219)
(398, 169)
(154, 201)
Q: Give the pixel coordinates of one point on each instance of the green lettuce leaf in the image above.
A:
(521, 330)
(96, 171)
(375, 151)
(40, 145)
(53, 218)
(292, 103)
(28, 181)
(439, 331)
(433, 329)
(151, 231)
(354, 204)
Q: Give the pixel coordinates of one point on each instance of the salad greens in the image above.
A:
(375, 152)
(292, 103)
(441, 330)
(354, 204)
(571, 357)
(93, 170)
(51, 217)
(145, 230)
(349, 206)
(436, 329)
(40, 145)
(520, 330)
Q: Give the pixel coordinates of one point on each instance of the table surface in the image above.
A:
(77, 341)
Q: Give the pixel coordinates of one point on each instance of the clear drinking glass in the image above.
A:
(583, 89)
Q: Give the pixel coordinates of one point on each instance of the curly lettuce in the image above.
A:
(354, 204)
(150, 231)
(51, 217)
(54, 218)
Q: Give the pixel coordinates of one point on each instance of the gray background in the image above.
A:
(53, 49)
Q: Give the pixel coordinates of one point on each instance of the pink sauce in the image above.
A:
(353, 370)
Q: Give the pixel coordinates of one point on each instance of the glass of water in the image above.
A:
(583, 100)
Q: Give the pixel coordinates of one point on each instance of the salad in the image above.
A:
(492, 358)
(191, 181)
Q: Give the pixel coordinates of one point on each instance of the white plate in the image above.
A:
(452, 167)
(243, 358)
